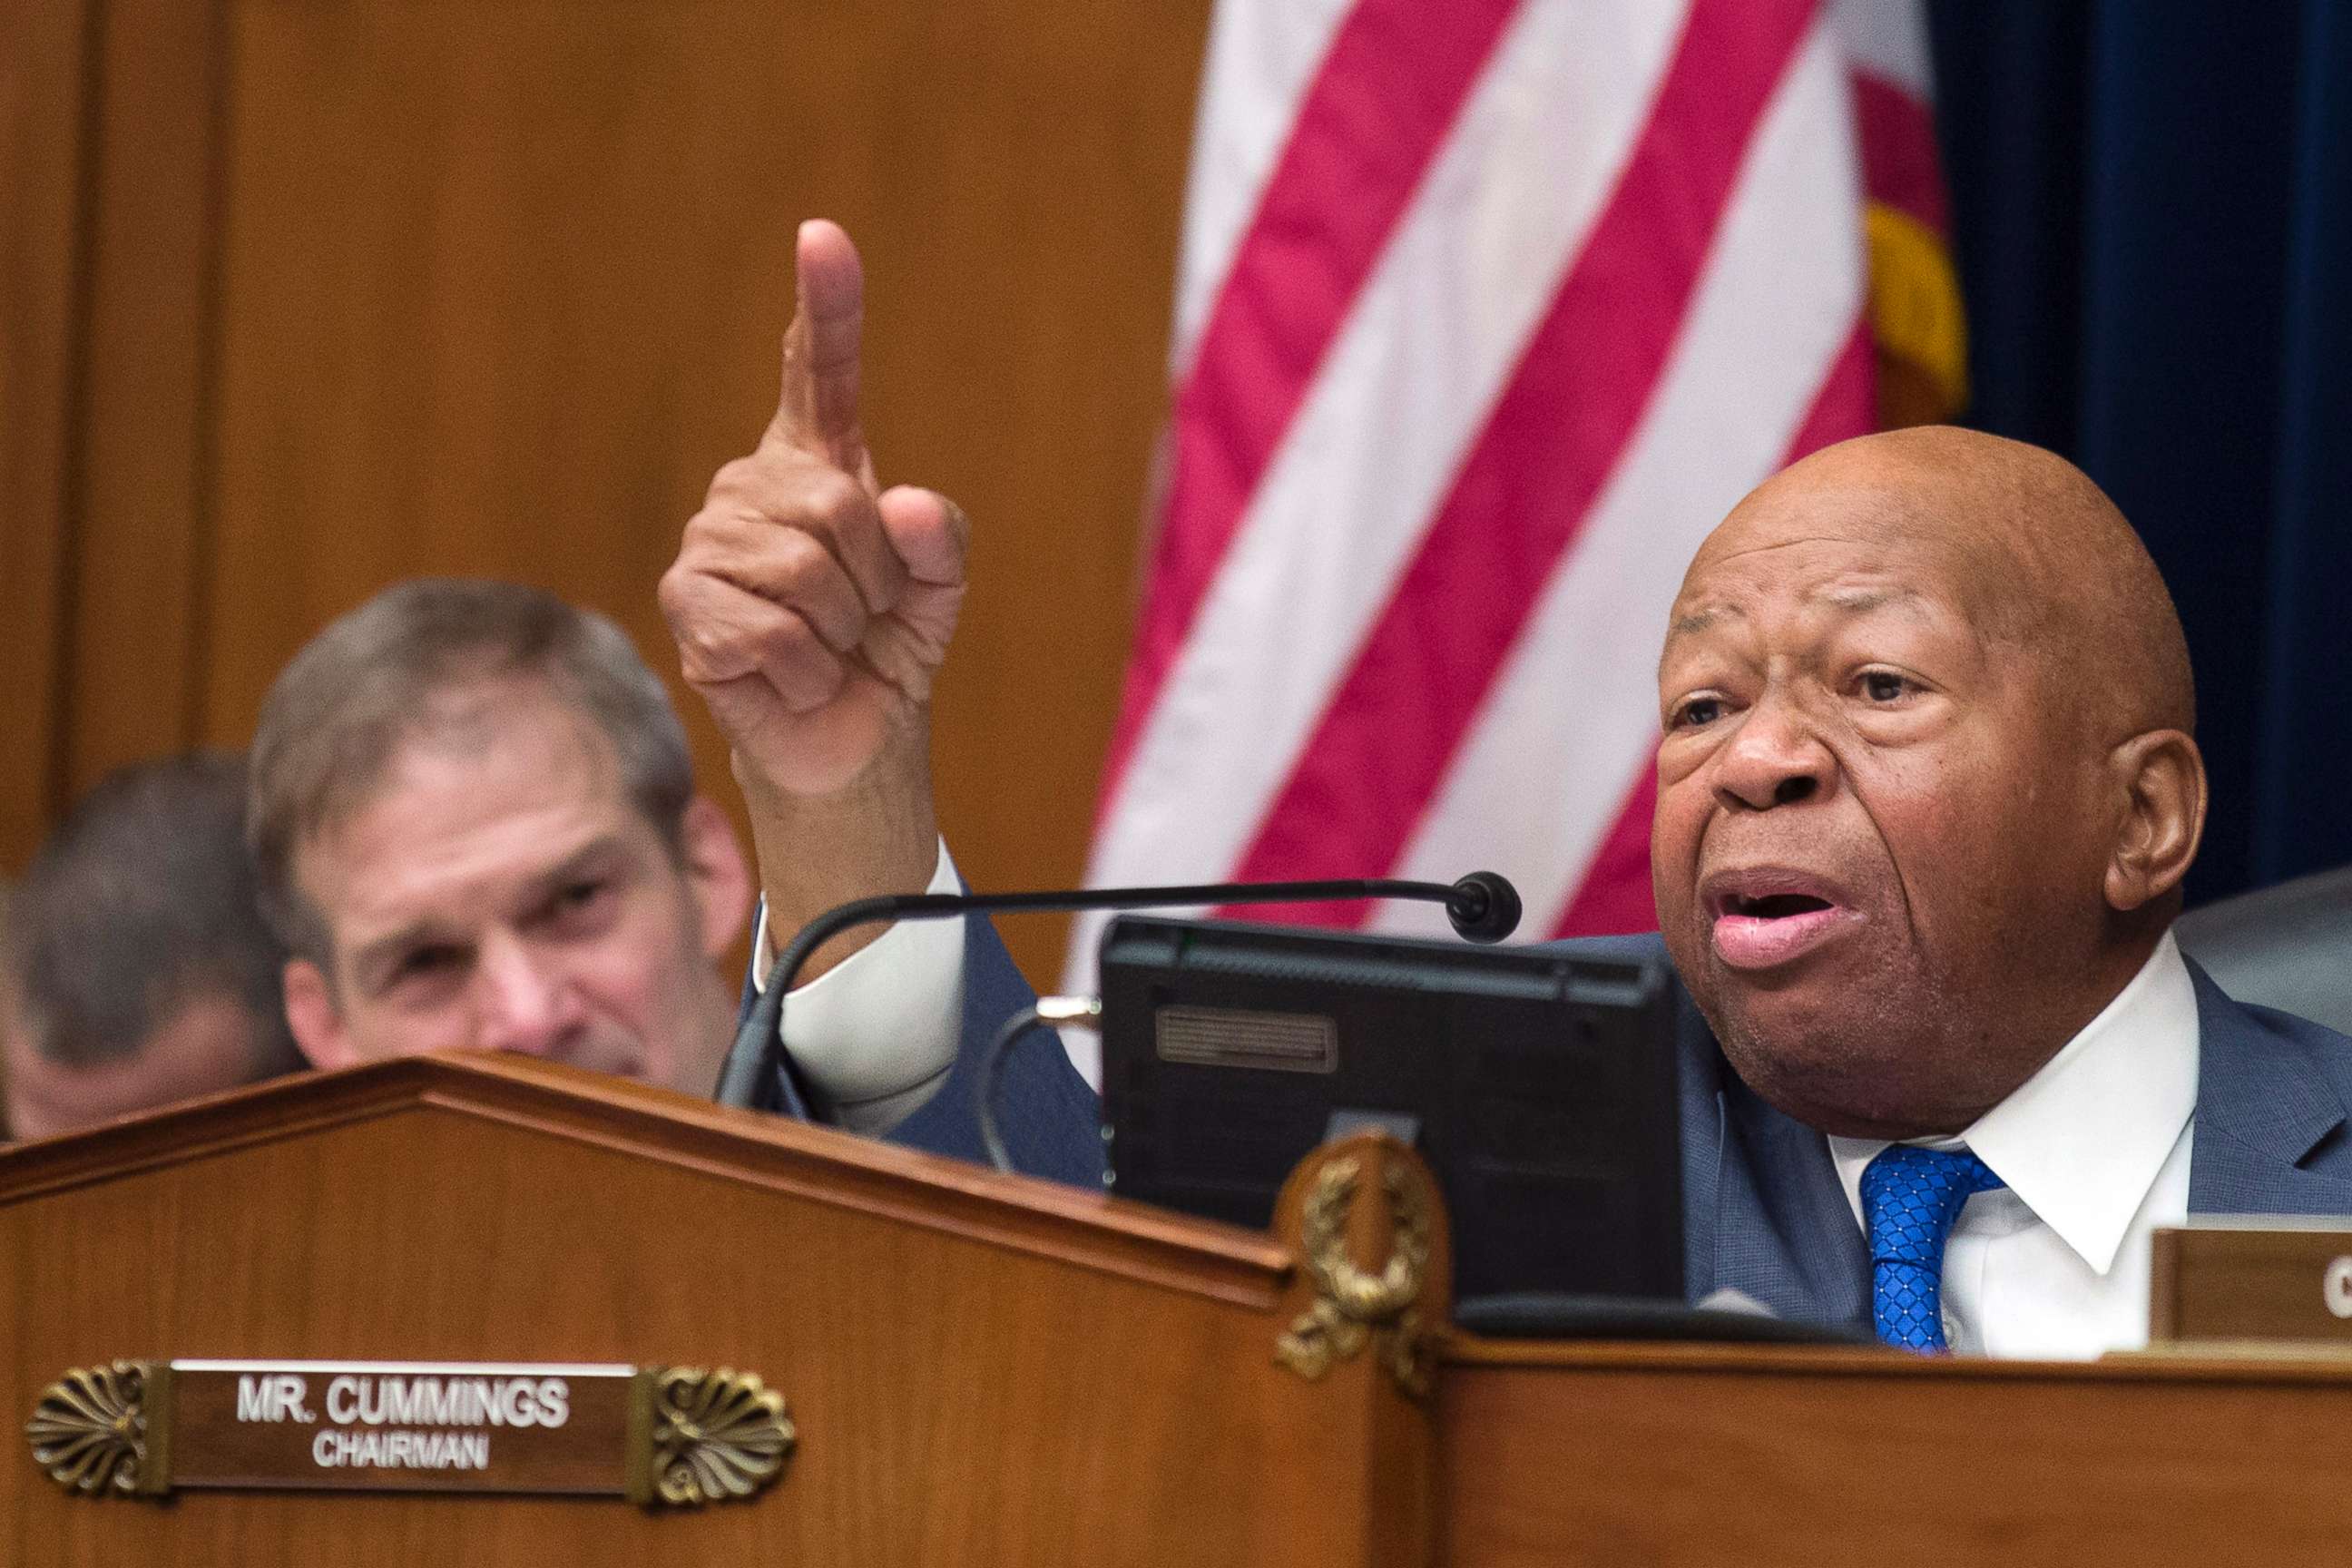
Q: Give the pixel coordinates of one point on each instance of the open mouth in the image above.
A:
(1764, 926)
(1773, 906)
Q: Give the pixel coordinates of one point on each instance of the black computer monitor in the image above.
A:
(1540, 1085)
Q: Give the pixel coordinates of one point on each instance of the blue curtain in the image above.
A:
(2152, 205)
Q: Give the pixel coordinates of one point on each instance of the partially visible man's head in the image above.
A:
(1927, 790)
(475, 823)
(138, 969)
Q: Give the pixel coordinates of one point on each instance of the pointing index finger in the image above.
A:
(817, 410)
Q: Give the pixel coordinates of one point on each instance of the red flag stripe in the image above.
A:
(1847, 403)
(1388, 91)
(1385, 740)
(1614, 896)
(1899, 163)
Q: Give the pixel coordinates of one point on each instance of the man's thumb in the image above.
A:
(927, 531)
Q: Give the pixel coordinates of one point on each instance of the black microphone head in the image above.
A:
(1485, 907)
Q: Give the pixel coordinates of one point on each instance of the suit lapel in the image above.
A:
(1784, 1231)
(2268, 1117)
(1766, 1215)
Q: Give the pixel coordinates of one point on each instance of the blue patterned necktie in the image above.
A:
(1912, 1196)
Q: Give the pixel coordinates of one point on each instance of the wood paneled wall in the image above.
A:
(303, 298)
(42, 50)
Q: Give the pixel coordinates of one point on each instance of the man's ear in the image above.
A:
(317, 1023)
(720, 877)
(2162, 779)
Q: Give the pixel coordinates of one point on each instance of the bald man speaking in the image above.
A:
(1928, 787)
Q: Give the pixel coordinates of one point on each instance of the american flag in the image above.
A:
(1488, 312)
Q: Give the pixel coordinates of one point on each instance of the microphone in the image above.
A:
(1483, 906)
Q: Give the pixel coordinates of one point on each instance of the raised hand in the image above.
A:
(812, 611)
(811, 608)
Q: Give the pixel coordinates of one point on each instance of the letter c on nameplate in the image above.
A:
(2336, 1287)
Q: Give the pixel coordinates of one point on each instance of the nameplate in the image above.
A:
(2252, 1280)
(676, 1437)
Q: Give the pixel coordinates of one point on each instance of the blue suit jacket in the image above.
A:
(1763, 1210)
(1765, 1213)
(1046, 1112)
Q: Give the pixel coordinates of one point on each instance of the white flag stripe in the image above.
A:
(1887, 39)
(1261, 61)
(1430, 344)
(1428, 348)
(1539, 780)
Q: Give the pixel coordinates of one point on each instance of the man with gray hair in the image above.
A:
(473, 817)
(138, 969)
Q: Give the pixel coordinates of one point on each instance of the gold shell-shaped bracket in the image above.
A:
(1353, 1303)
(101, 1430)
(700, 1437)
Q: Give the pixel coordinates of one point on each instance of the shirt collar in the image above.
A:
(2082, 1141)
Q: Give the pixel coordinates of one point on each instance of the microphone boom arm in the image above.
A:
(1483, 906)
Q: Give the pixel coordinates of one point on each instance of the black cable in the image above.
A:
(1048, 1012)
(992, 1068)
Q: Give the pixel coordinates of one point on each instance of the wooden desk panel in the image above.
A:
(989, 1370)
(1563, 1455)
(982, 1369)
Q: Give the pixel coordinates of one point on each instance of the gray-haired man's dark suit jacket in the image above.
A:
(1765, 1213)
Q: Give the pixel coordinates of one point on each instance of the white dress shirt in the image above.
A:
(877, 1032)
(2094, 1150)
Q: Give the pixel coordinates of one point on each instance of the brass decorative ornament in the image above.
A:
(711, 1436)
(90, 1431)
(1352, 1303)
